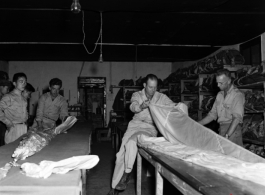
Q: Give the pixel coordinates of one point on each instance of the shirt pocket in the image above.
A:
(227, 110)
(18, 108)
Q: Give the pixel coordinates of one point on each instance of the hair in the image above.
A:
(151, 77)
(225, 72)
(29, 88)
(19, 75)
(56, 81)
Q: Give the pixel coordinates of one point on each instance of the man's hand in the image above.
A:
(145, 104)
(9, 126)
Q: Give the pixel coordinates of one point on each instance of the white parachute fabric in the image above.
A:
(176, 126)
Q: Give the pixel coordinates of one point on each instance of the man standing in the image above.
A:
(4, 89)
(142, 123)
(27, 91)
(228, 108)
(51, 106)
(13, 109)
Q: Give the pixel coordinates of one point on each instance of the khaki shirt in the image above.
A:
(232, 106)
(13, 109)
(51, 109)
(144, 115)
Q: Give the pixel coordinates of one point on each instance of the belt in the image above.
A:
(239, 124)
(49, 118)
(151, 123)
(19, 123)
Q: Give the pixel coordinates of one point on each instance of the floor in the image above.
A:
(99, 178)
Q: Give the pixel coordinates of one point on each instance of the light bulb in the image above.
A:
(76, 7)
(100, 58)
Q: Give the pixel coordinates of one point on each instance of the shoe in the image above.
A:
(123, 182)
(113, 192)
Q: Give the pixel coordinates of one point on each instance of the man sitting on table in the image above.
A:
(228, 108)
(142, 123)
(13, 109)
(51, 106)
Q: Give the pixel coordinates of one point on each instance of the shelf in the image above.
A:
(253, 141)
(258, 85)
(207, 93)
(189, 94)
(254, 112)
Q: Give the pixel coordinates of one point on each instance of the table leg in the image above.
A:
(83, 178)
(159, 180)
(139, 174)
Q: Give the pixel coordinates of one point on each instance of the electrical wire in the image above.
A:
(84, 37)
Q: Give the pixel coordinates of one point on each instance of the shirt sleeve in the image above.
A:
(64, 109)
(238, 107)
(5, 103)
(213, 113)
(135, 104)
(40, 109)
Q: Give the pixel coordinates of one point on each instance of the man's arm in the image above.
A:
(5, 103)
(40, 110)
(237, 113)
(63, 110)
(135, 106)
(212, 115)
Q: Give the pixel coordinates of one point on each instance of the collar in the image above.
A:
(230, 90)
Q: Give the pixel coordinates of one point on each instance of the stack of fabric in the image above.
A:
(253, 127)
(253, 75)
(207, 66)
(207, 103)
(254, 101)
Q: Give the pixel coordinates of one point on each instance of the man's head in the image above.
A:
(150, 84)
(4, 86)
(55, 86)
(20, 81)
(27, 91)
(223, 79)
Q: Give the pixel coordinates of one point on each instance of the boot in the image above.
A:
(113, 192)
(123, 182)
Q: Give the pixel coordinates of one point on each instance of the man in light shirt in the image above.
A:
(51, 107)
(13, 109)
(228, 108)
(142, 123)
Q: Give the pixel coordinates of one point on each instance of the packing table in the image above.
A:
(192, 179)
(74, 143)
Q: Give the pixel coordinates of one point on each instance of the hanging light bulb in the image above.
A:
(76, 7)
(100, 58)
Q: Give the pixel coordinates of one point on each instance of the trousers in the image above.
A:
(15, 132)
(236, 136)
(126, 156)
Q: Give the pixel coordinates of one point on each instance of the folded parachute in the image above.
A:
(176, 126)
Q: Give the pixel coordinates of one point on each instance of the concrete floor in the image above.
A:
(99, 178)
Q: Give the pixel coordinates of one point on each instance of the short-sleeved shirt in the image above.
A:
(229, 107)
(51, 109)
(13, 109)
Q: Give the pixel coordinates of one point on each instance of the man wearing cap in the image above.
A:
(4, 89)
(51, 106)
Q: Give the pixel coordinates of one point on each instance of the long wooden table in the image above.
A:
(191, 179)
(74, 143)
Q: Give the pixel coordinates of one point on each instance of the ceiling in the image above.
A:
(132, 30)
